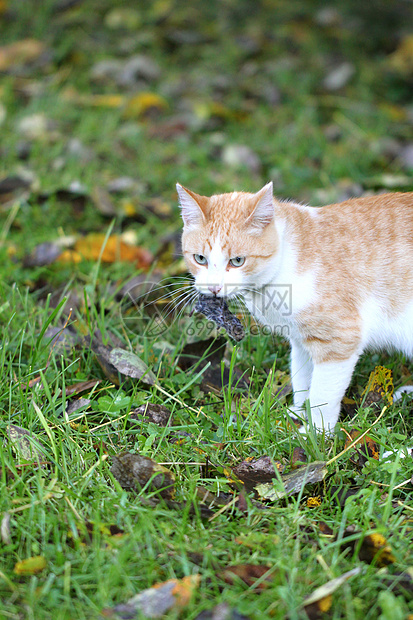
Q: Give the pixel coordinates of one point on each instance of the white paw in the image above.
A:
(398, 394)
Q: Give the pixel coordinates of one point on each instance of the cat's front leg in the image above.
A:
(301, 373)
(328, 385)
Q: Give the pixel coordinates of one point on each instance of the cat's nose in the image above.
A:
(215, 289)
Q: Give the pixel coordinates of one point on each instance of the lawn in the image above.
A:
(104, 106)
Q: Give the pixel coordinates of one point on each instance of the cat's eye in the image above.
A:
(200, 259)
(237, 262)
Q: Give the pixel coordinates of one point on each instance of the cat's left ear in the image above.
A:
(263, 211)
(192, 207)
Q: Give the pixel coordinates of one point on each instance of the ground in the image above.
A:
(104, 106)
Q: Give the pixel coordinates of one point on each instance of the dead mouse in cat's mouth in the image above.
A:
(216, 309)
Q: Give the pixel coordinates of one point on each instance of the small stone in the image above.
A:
(406, 156)
(328, 16)
(339, 76)
(77, 149)
(106, 70)
(37, 127)
(137, 68)
(124, 184)
(239, 156)
(23, 149)
(123, 18)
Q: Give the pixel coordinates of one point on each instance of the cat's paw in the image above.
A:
(398, 394)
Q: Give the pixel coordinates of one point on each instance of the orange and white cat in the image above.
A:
(346, 272)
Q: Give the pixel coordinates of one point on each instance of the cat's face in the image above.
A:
(229, 240)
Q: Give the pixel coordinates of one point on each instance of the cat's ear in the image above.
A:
(263, 210)
(192, 207)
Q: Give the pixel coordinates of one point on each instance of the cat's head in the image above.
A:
(229, 241)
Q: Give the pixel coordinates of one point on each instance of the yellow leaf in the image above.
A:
(143, 103)
(394, 112)
(375, 548)
(111, 250)
(69, 256)
(380, 383)
(107, 101)
(402, 59)
(30, 566)
(20, 52)
(314, 502)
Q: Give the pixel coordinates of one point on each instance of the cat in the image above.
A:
(338, 279)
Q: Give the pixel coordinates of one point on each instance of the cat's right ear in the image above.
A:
(263, 210)
(191, 207)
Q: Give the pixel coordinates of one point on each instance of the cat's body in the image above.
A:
(335, 280)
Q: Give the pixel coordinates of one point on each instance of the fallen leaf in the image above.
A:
(96, 246)
(298, 457)
(76, 405)
(82, 386)
(375, 549)
(221, 612)
(319, 602)
(253, 471)
(143, 104)
(248, 573)
(152, 412)
(88, 529)
(293, 482)
(20, 52)
(217, 501)
(158, 600)
(134, 472)
(25, 444)
(402, 59)
(130, 365)
(365, 448)
(379, 387)
(30, 566)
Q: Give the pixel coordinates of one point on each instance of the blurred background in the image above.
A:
(104, 105)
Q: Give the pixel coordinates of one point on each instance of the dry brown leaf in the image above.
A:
(20, 52)
(134, 472)
(298, 458)
(82, 386)
(152, 412)
(366, 448)
(253, 471)
(248, 573)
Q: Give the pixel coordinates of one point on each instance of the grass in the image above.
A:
(272, 44)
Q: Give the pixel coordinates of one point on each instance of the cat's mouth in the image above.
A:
(220, 292)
